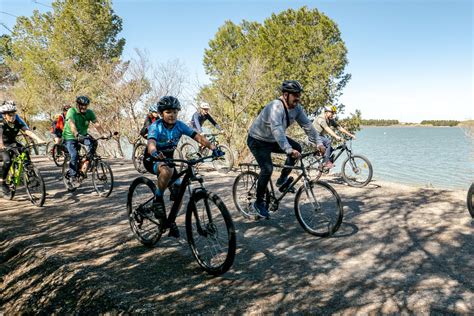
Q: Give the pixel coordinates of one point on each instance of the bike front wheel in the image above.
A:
(58, 154)
(318, 208)
(189, 151)
(210, 232)
(357, 171)
(145, 227)
(226, 162)
(137, 157)
(34, 184)
(102, 178)
(470, 200)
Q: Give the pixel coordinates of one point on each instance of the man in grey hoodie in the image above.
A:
(267, 135)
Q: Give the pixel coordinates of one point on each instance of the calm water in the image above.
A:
(422, 156)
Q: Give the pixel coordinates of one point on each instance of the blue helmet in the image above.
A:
(83, 100)
(153, 108)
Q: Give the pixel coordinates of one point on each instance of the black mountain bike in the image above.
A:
(470, 200)
(318, 207)
(356, 170)
(209, 227)
(102, 176)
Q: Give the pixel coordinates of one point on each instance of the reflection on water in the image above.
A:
(424, 156)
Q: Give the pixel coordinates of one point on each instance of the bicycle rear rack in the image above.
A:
(248, 167)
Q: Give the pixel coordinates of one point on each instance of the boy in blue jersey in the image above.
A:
(163, 137)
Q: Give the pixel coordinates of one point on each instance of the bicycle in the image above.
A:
(470, 200)
(102, 176)
(356, 170)
(138, 153)
(22, 171)
(191, 151)
(57, 153)
(209, 227)
(318, 207)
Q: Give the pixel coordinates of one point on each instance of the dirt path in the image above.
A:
(399, 250)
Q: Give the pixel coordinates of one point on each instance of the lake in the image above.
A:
(440, 157)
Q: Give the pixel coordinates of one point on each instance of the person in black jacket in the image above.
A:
(151, 117)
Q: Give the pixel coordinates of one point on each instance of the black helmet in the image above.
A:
(291, 86)
(168, 103)
(83, 100)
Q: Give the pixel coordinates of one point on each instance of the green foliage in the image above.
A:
(440, 122)
(379, 122)
(248, 62)
(353, 122)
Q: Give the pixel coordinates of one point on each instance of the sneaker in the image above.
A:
(159, 207)
(282, 181)
(174, 231)
(262, 212)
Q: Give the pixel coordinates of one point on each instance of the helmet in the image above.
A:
(168, 103)
(83, 100)
(8, 106)
(291, 86)
(204, 106)
(331, 108)
(153, 107)
(66, 107)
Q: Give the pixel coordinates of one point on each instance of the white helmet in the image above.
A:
(204, 106)
(8, 106)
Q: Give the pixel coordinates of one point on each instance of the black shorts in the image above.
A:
(149, 163)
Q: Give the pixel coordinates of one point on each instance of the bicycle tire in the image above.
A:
(244, 193)
(326, 197)
(225, 163)
(33, 180)
(58, 154)
(357, 169)
(140, 194)
(137, 157)
(218, 233)
(189, 151)
(101, 176)
(470, 200)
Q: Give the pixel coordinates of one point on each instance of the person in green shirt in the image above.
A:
(75, 132)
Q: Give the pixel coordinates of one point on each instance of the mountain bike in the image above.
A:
(209, 227)
(356, 170)
(22, 171)
(138, 153)
(102, 176)
(57, 153)
(193, 151)
(470, 200)
(318, 207)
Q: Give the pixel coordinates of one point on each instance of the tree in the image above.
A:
(248, 62)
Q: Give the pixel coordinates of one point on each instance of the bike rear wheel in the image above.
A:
(318, 208)
(210, 232)
(226, 162)
(470, 200)
(34, 184)
(357, 171)
(102, 178)
(58, 154)
(137, 157)
(139, 209)
(244, 193)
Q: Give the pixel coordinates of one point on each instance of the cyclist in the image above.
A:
(200, 116)
(151, 117)
(267, 135)
(57, 125)
(75, 132)
(163, 137)
(323, 124)
(10, 125)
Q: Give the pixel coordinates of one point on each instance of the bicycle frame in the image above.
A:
(340, 149)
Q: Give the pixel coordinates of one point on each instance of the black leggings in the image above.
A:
(262, 152)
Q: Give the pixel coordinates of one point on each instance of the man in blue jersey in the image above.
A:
(163, 137)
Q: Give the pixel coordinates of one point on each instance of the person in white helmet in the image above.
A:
(202, 115)
(10, 125)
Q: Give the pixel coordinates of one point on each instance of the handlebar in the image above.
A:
(191, 162)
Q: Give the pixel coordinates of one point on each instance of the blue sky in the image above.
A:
(409, 60)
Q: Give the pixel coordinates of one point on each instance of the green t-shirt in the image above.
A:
(81, 121)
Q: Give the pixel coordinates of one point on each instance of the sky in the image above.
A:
(409, 60)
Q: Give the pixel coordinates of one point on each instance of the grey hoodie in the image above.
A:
(271, 124)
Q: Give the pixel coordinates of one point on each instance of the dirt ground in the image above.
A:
(399, 250)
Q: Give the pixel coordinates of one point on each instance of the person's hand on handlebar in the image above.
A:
(158, 155)
(295, 154)
(217, 153)
(321, 149)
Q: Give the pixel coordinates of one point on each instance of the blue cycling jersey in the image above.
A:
(167, 138)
